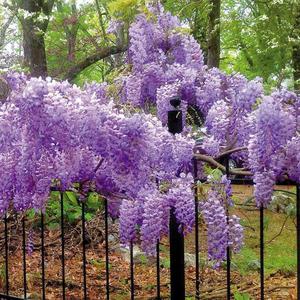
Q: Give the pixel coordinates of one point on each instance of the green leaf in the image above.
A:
(88, 216)
(72, 197)
(30, 214)
(93, 201)
(238, 296)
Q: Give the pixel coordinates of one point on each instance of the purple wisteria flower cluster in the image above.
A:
(274, 144)
(167, 62)
(54, 134)
(223, 230)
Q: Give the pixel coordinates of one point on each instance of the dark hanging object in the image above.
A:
(175, 116)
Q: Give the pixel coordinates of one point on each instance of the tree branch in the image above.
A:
(47, 7)
(4, 29)
(280, 231)
(228, 152)
(90, 60)
(101, 23)
(211, 161)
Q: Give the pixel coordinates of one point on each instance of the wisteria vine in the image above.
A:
(57, 135)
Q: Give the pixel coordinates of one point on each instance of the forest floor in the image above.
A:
(280, 264)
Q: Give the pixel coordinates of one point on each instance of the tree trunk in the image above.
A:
(34, 51)
(33, 36)
(296, 53)
(213, 43)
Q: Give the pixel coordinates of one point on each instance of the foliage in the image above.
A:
(73, 34)
(238, 296)
(124, 9)
(72, 208)
(248, 49)
(284, 202)
(245, 47)
(9, 41)
(247, 261)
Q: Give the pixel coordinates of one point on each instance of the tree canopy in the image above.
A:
(77, 40)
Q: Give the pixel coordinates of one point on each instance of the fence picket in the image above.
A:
(24, 257)
(62, 246)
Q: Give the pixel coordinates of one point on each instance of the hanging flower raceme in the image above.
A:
(223, 230)
(214, 215)
(181, 199)
(147, 218)
(155, 220)
(130, 217)
(236, 234)
(275, 126)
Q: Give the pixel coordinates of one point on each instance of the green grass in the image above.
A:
(280, 254)
(246, 261)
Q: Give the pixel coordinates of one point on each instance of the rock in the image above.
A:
(190, 260)
(254, 265)
(112, 222)
(139, 257)
(111, 238)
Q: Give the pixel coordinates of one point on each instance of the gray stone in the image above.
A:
(139, 257)
(111, 238)
(190, 259)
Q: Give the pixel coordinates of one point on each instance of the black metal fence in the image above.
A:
(176, 246)
(176, 250)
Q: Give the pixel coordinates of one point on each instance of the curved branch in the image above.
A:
(90, 60)
(213, 162)
(228, 152)
(280, 231)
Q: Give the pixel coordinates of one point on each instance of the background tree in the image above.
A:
(34, 19)
(257, 39)
(75, 40)
(44, 49)
(10, 40)
(296, 49)
(213, 40)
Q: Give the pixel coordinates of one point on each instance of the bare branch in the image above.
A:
(231, 151)
(280, 231)
(213, 162)
(90, 60)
